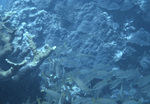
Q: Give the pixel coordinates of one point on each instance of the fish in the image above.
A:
(105, 101)
(144, 81)
(131, 102)
(81, 85)
(115, 83)
(101, 84)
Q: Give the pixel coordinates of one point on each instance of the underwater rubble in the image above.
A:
(75, 52)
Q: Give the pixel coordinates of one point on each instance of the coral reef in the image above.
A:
(102, 55)
(20, 59)
(38, 57)
(17, 70)
(6, 47)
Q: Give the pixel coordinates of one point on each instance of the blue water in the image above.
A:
(5, 3)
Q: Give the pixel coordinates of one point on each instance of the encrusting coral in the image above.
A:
(18, 70)
(6, 48)
(38, 58)
(5, 45)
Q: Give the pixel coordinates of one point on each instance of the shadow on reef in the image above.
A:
(18, 92)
